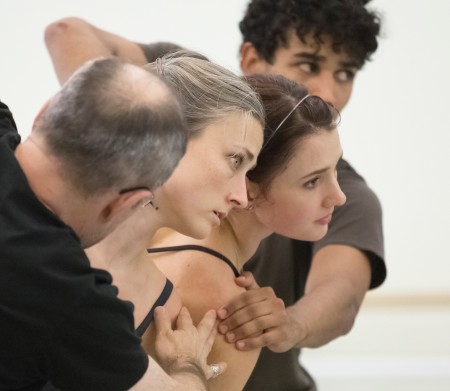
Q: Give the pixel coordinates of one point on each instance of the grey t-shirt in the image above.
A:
(284, 264)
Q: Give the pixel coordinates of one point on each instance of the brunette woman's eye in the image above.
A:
(312, 183)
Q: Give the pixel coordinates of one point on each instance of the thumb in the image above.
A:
(246, 280)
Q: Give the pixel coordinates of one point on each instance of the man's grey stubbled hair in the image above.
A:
(114, 126)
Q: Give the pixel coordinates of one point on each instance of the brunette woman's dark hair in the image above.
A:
(280, 96)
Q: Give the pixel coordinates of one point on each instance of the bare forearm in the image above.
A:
(72, 41)
(338, 280)
(324, 314)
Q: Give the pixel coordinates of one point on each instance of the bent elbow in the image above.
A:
(348, 319)
(58, 29)
(347, 326)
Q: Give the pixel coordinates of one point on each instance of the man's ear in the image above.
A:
(251, 62)
(123, 204)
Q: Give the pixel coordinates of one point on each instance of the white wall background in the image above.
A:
(395, 130)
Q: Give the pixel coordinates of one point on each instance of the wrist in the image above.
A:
(298, 331)
(188, 373)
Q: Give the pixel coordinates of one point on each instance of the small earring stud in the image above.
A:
(152, 203)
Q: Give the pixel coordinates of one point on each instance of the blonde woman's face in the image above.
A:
(210, 179)
(301, 200)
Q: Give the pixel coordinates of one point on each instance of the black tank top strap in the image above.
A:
(162, 299)
(197, 248)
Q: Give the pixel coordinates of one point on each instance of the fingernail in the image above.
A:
(222, 313)
(223, 329)
(160, 309)
(230, 337)
(240, 345)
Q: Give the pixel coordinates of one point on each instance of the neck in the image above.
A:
(248, 232)
(42, 172)
(126, 246)
(237, 238)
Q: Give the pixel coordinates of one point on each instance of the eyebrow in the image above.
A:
(310, 56)
(349, 64)
(320, 170)
(320, 58)
(250, 155)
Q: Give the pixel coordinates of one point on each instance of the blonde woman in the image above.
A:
(225, 120)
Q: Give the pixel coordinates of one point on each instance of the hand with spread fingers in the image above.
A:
(185, 349)
(256, 318)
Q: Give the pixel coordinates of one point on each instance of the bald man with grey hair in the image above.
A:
(98, 149)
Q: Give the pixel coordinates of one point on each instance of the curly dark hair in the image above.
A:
(352, 27)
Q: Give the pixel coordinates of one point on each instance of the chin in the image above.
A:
(318, 235)
(310, 236)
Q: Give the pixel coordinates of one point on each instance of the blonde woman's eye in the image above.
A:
(237, 160)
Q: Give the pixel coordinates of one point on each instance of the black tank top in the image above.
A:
(197, 248)
(163, 297)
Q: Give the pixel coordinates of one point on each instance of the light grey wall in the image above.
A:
(395, 130)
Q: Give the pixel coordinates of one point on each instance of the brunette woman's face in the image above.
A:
(300, 201)
(210, 179)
